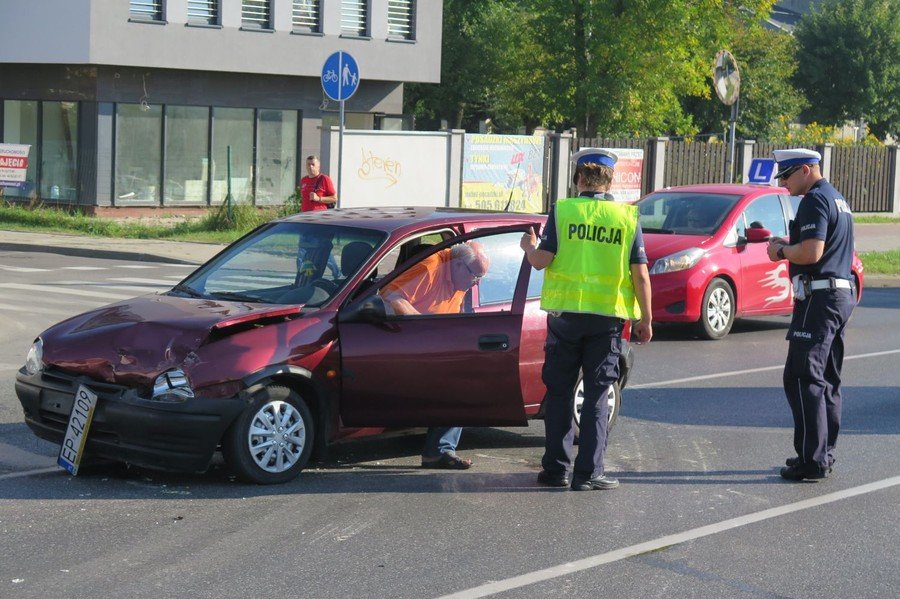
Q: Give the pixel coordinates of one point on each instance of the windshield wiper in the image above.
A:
(188, 290)
(240, 297)
(651, 230)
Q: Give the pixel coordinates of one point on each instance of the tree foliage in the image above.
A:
(849, 55)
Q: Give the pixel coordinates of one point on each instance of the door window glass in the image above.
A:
(187, 154)
(138, 153)
(59, 147)
(277, 156)
(233, 127)
(766, 213)
(20, 127)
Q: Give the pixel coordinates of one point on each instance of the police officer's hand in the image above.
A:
(529, 241)
(772, 249)
(642, 332)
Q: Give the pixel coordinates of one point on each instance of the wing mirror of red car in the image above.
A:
(757, 235)
(371, 309)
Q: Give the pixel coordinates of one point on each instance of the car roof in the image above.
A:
(725, 188)
(392, 218)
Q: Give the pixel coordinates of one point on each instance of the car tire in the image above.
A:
(614, 397)
(717, 310)
(260, 449)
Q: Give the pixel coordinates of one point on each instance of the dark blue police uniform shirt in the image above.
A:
(824, 214)
(550, 242)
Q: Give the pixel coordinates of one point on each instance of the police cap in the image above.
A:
(595, 156)
(787, 159)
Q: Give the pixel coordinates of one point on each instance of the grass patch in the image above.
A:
(881, 263)
(218, 226)
(869, 220)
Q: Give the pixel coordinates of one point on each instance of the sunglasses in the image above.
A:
(475, 277)
(789, 172)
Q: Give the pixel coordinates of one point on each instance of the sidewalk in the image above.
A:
(869, 237)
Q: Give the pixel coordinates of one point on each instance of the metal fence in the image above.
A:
(865, 175)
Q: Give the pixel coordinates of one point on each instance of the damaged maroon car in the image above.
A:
(282, 343)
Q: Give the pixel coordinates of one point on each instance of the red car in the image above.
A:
(281, 344)
(708, 262)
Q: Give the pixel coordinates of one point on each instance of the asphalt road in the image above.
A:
(701, 511)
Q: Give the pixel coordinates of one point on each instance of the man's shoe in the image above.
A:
(796, 461)
(553, 480)
(598, 483)
(803, 472)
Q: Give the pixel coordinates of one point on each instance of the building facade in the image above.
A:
(136, 103)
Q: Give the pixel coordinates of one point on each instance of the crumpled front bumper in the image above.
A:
(126, 427)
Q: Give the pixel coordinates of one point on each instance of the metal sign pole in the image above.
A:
(731, 141)
(340, 155)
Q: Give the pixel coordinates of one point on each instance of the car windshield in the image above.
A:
(684, 213)
(285, 263)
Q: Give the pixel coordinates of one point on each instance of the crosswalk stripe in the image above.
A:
(64, 291)
(139, 280)
(138, 266)
(82, 268)
(22, 269)
(28, 300)
(43, 310)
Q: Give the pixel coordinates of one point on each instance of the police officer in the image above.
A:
(596, 279)
(820, 253)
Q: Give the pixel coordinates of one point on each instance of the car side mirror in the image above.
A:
(372, 309)
(757, 235)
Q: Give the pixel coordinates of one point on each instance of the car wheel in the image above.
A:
(717, 310)
(614, 399)
(271, 441)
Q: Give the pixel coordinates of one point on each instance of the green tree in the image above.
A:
(849, 54)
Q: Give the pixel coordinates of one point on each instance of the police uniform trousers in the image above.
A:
(812, 373)
(590, 343)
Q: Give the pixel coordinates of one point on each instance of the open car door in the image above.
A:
(439, 369)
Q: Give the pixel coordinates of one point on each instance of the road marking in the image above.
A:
(53, 289)
(41, 311)
(720, 375)
(22, 269)
(29, 473)
(502, 586)
(83, 268)
(138, 280)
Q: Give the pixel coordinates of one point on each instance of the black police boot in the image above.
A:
(553, 480)
(598, 483)
(803, 471)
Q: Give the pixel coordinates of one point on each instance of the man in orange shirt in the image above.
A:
(438, 285)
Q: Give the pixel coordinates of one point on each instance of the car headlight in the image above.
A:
(34, 361)
(682, 260)
(172, 386)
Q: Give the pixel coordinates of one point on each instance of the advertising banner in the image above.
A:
(626, 186)
(501, 170)
(382, 169)
(13, 164)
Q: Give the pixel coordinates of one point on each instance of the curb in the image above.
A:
(94, 253)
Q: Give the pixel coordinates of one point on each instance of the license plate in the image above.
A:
(76, 433)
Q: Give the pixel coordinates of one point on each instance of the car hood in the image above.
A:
(658, 245)
(135, 340)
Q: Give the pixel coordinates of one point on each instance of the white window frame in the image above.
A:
(204, 12)
(306, 16)
(256, 14)
(401, 19)
(146, 10)
(356, 18)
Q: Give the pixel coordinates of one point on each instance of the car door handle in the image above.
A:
(493, 342)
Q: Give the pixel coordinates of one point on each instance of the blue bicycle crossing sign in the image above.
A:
(340, 76)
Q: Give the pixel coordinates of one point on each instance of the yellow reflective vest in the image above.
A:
(590, 272)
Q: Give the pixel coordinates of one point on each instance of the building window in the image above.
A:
(20, 126)
(256, 14)
(307, 16)
(138, 154)
(59, 147)
(187, 155)
(203, 12)
(276, 156)
(355, 17)
(148, 10)
(400, 19)
(232, 127)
